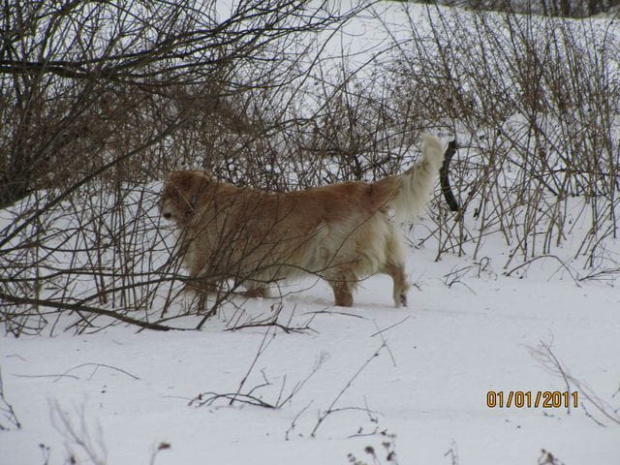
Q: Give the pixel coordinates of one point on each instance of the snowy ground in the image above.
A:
(119, 397)
(124, 393)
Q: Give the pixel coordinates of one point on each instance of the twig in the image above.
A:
(232, 397)
(97, 366)
(384, 341)
(331, 409)
(164, 445)
(532, 260)
(548, 359)
(294, 422)
(332, 312)
(7, 409)
(87, 309)
(208, 398)
(272, 321)
(79, 434)
(261, 349)
(381, 331)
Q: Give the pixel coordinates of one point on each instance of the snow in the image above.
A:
(411, 380)
(425, 392)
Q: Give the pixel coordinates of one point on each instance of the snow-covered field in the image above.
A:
(122, 394)
(327, 385)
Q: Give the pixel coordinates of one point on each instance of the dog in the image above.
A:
(342, 233)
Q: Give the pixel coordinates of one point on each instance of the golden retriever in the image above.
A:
(342, 233)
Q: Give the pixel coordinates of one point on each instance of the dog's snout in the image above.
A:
(164, 208)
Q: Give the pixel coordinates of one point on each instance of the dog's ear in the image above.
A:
(189, 183)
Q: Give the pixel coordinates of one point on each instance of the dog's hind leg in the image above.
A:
(395, 267)
(401, 286)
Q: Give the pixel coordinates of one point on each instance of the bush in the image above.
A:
(534, 103)
(100, 100)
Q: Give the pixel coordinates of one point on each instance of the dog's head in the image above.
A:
(181, 193)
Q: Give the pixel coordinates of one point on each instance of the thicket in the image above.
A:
(536, 102)
(100, 100)
(561, 8)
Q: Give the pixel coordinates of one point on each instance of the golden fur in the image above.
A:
(342, 233)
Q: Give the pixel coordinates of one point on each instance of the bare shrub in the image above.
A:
(534, 103)
(252, 395)
(563, 8)
(98, 101)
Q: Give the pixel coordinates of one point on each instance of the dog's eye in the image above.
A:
(167, 216)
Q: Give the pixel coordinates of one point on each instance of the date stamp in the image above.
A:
(529, 399)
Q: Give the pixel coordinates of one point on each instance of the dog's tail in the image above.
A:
(411, 190)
